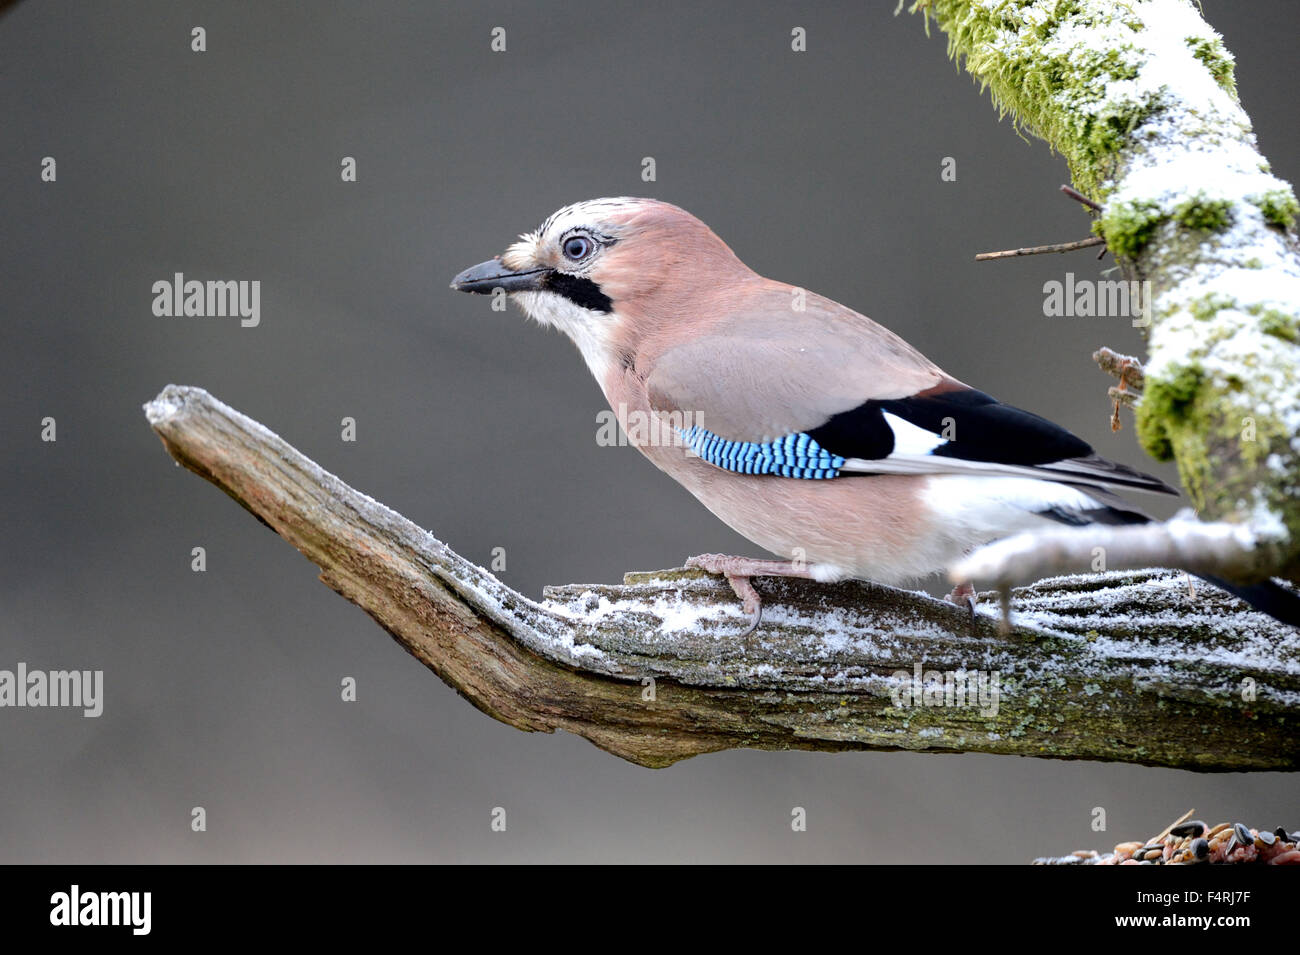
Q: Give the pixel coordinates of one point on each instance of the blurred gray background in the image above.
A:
(222, 688)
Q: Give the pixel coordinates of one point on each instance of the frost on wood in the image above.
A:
(1187, 543)
(1140, 98)
(1131, 667)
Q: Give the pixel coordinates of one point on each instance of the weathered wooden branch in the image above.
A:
(1121, 666)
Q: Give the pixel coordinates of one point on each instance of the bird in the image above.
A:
(811, 430)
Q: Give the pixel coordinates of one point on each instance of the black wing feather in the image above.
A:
(983, 429)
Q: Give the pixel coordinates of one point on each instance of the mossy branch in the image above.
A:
(1128, 667)
(1140, 99)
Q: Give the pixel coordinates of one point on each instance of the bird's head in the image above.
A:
(607, 272)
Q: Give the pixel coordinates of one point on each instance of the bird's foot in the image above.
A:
(738, 570)
(963, 595)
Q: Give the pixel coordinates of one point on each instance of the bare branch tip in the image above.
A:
(1080, 197)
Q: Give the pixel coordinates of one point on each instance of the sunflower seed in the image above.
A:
(1200, 848)
(1193, 828)
(1243, 834)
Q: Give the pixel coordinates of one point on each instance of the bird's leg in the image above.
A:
(738, 570)
(963, 595)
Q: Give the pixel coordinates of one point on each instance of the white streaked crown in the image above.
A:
(597, 217)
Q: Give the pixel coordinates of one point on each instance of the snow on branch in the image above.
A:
(1141, 99)
(1125, 667)
(1222, 550)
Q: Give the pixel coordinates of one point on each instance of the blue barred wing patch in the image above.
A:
(794, 456)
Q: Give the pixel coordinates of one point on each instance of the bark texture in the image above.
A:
(1123, 666)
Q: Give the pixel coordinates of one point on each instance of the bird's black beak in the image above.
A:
(487, 276)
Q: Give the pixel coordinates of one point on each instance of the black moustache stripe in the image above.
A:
(580, 291)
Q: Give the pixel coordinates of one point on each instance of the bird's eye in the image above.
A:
(578, 247)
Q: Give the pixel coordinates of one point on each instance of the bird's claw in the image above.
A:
(709, 563)
(963, 595)
(721, 565)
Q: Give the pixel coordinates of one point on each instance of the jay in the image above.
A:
(811, 430)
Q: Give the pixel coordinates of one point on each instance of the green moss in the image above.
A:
(1129, 226)
(1209, 215)
(1280, 325)
(1207, 306)
(1048, 95)
(1167, 403)
(1065, 9)
(1065, 97)
(1185, 415)
(1105, 133)
(1217, 60)
(1279, 207)
(1271, 321)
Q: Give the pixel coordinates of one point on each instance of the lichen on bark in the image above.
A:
(1140, 98)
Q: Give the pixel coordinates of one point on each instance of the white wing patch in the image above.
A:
(986, 508)
(909, 439)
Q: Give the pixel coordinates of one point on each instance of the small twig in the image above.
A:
(1059, 246)
(1094, 206)
(1129, 371)
(1080, 197)
(1115, 393)
(1087, 243)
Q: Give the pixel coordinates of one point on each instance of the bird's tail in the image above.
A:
(1268, 597)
